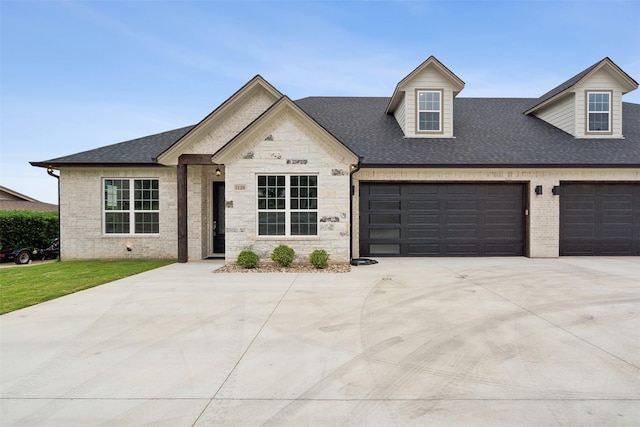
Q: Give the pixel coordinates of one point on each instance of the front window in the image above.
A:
(429, 110)
(287, 205)
(599, 111)
(131, 206)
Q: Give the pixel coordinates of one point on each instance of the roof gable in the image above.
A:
(217, 116)
(9, 194)
(627, 83)
(234, 148)
(430, 63)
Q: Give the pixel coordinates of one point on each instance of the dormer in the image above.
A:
(588, 105)
(422, 102)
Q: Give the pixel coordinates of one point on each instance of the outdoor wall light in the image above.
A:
(538, 190)
(556, 190)
(129, 247)
(50, 172)
(218, 172)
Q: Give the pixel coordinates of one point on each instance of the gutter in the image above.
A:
(57, 177)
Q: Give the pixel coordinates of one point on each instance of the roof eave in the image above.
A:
(58, 165)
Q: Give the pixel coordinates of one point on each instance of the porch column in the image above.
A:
(183, 251)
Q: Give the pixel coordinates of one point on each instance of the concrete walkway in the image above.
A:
(436, 341)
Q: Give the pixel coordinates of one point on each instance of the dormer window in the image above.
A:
(599, 112)
(429, 110)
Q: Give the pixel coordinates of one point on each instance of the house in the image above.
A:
(424, 172)
(11, 200)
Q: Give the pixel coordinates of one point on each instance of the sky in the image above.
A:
(77, 75)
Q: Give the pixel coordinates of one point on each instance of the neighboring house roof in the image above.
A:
(11, 200)
(9, 194)
(563, 87)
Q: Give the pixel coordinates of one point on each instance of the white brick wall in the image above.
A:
(81, 216)
(544, 210)
(286, 148)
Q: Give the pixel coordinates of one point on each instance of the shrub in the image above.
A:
(319, 258)
(248, 259)
(283, 255)
(27, 229)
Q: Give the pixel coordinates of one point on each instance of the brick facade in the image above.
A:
(286, 147)
(81, 216)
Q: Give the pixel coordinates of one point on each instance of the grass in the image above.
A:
(25, 286)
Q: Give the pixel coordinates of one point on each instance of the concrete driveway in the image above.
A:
(436, 341)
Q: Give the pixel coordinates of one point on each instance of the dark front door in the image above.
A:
(218, 218)
(442, 219)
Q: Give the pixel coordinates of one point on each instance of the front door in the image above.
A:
(218, 218)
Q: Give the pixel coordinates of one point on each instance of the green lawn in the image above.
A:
(23, 286)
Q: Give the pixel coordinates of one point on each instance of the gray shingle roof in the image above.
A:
(488, 132)
(138, 151)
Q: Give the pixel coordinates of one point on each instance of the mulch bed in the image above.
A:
(274, 268)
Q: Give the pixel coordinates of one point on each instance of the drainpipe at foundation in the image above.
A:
(353, 169)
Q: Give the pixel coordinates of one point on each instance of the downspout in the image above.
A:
(50, 172)
(353, 169)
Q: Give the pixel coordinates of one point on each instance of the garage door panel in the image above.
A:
(443, 219)
(384, 204)
(600, 219)
(384, 219)
(423, 233)
(384, 249)
(384, 233)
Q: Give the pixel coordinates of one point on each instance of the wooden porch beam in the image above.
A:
(195, 159)
(183, 251)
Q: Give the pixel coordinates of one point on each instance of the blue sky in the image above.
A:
(79, 75)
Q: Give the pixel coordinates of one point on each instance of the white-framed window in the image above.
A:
(429, 104)
(599, 112)
(287, 205)
(131, 206)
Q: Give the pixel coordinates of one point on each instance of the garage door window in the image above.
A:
(131, 206)
(287, 205)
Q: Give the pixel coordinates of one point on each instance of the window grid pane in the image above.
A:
(271, 192)
(271, 223)
(304, 192)
(304, 223)
(116, 194)
(147, 223)
(117, 222)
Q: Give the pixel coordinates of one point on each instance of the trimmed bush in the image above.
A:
(248, 259)
(319, 258)
(27, 229)
(283, 255)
